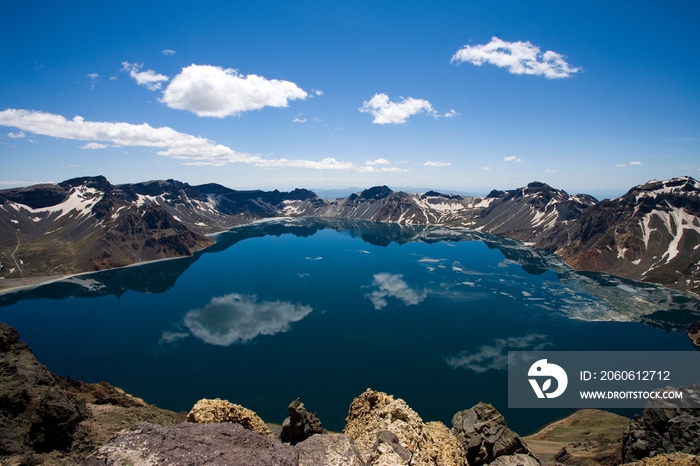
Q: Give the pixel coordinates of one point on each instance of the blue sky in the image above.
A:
(587, 96)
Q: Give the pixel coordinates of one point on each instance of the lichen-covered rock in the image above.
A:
(665, 427)
(515, 460)
(483, 433)
(146, 444)
(329, 450)
(388, 432)
(35, 414)
(300, 424)
(675, 459)
(218, 410)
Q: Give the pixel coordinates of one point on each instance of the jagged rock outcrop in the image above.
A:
(664, 428)
(300, 424)
(329, 449)
(387, 431)
(518, 459)
(483, 433)
(188, 443)
(693, 332)
(209, 411)
(35, 414)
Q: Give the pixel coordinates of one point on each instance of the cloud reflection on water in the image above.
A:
(235, 318)
(394, 286)
(495, 356)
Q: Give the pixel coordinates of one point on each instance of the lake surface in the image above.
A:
(323, 310)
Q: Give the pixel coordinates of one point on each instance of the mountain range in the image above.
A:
(652, 233)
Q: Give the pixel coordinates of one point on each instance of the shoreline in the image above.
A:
(46, 279)
(35, 282)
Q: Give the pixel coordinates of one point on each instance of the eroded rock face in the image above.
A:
(664, 428)
(217, 410)
(213, 444)
(388, 432)
(330, 450)
(300, 424)
(693, 332)
(35, 414)
(483, 433)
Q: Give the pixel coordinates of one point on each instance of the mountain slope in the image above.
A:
(652, 233)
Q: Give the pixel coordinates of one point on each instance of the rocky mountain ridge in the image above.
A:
(651, 233)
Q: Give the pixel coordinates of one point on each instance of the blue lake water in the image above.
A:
(323, 310)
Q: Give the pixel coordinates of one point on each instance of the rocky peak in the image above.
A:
(437, 194)
(36, 197)
(98, 183)
(376, 193)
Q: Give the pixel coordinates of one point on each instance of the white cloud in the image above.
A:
(297, 120)
(635, 163)
(16, 135)
(387, 112)
(551, 171)
(198, 151)
(148, 78)
(92, 75)
(94, 145)
(236, 318)
(451, 114)
(517, 57)
(430, 163)
(495, 356)
(317, 92)
(379, 161)
(168, 52)
(212, 91)
(393, 285)
(512, 158)
(620, 165)
(486, 168)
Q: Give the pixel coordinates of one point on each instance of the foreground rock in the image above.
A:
(329, 449)
(664, 428)
(300, 424)
(35, 414)
(188, 443)
(388, 432)
(587, 437)
(483, 433)
(675, 459)
(217, 410)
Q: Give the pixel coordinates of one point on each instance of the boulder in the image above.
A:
(388, 432)
(300, 424)
(329, 450)
(675, 459)
(483, 433)
(146, 444)
(693, 331)
(217, 410)
(665, 427)
(35, 414)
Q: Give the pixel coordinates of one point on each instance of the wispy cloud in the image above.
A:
(430, 163)
(495, 356)
(486, 168)
(512, 158)
(237, 318)
(551, 171)
(298, 120)
(451, 114)
(195, 150)
(212, 91)
(635, 163)
(94, 145)
(318, 92)
(148, 78)
(387, 112)
(393, 285)
(93, 79)
(168, 52)
(19, 135)
(518, 57)
(632, 164)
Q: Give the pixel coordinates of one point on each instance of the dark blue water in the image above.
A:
(324, 310)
